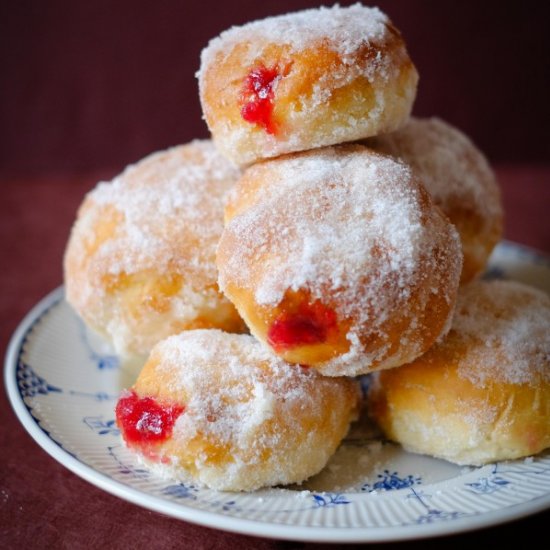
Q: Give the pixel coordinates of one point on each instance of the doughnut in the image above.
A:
(460, 180)
(139, 264)
(221, 411)
(483, 393)
(338, 259)
(304, 80)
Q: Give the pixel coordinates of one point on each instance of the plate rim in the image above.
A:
(217, 520)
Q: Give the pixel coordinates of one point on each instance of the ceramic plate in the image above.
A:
(63, 384)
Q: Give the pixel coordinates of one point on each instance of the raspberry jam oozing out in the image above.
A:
(257, 97)
(144, 420)
(310, 324)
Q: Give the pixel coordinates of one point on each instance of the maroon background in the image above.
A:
(87, 87)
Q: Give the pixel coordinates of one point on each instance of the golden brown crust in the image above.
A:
(483, 394)
(339, 232)
(139, 264)
(326, 93)
(250, 420)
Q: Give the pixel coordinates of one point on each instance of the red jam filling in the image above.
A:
(310, 324)
(258, 97)
(144, 420)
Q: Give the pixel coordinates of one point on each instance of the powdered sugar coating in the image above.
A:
(343, 74)
(250, 420)
(345, 29)
(506, 325)
(152, 231)
(165, 198)
(482, 394)
(350, 227)
(458, 177)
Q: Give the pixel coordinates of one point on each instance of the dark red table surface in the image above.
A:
(42, 504)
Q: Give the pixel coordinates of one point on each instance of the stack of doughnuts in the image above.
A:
(320, 235)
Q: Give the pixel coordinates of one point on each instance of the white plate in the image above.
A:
(63, 383)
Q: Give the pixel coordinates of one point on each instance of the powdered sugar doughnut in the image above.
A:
(139, 264)
(483, 394)
(338, 259)
(218, 409)
(303, 80)
(460, 180)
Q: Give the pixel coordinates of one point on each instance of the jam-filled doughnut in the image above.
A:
(140, 261)
(220, 410)
(482, 394)
(460, 180)
(303, 80)
(338, 259)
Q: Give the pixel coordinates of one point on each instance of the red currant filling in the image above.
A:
(257, 97)
(310, 324)
(144, 420)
